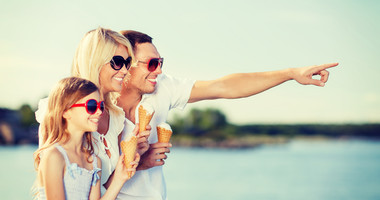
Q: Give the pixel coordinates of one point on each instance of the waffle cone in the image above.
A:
(129, 150)
(144, 119)
(163, 135)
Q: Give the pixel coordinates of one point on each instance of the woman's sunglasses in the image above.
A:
(118, 62)
(153, 63)
(91, 106)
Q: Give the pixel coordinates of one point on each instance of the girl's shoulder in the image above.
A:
(52, 164)
(52, 157)
(93, 158)
(99, 161)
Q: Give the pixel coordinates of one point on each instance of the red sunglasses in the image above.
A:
(153, 63)
(91, 106)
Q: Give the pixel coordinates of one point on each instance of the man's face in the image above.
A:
(141, 78)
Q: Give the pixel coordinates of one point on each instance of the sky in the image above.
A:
(205, 40)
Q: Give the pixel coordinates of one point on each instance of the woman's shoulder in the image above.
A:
(116, 123)
(41, 111)
(117, 113)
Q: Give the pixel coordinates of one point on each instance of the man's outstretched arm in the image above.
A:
(247, 84)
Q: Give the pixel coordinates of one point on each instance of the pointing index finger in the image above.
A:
(326, 66)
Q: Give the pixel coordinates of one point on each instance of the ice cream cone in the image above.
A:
(164, 132)
(128, 147)
(145, 115)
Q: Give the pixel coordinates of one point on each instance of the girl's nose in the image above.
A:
(98, 112)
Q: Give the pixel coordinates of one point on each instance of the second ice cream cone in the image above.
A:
(164, 132)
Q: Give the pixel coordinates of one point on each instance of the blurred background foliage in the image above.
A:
(18, 126)
(210, 127)
(27, 116)
(202, 128)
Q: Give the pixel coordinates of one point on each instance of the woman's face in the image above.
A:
(111, 80)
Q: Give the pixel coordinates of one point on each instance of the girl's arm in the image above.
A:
(116, 181)
(51, 172)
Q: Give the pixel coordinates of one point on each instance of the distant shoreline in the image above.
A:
(247, 142)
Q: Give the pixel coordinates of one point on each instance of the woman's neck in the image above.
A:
(128, 101)
(104, 122)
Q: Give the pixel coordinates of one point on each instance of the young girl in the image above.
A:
(67, 167)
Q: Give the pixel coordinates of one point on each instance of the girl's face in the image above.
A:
(111, 80)
(78, 119)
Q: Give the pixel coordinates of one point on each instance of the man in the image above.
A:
(163, 92)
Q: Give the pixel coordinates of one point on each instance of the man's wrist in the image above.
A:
(141, 165)
(289, 73)
(139, 168)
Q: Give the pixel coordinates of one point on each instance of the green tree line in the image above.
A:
(18, 126)
(197, 126)
(212, 123)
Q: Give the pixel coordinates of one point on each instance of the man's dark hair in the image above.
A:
(136, 37)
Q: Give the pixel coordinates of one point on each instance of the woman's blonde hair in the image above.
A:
(54, 127)
(95, 50)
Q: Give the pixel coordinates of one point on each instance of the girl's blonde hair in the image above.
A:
(54, 127)
(94, 51)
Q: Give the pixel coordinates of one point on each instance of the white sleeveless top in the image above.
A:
(77, 181)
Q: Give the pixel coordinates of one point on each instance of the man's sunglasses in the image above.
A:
(91, 106)
(118, 62)
(153, 63)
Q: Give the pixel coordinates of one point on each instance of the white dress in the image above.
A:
(116, 126)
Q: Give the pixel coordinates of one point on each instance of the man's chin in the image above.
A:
(150, 90)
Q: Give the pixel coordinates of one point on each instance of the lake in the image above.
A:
(301, 169)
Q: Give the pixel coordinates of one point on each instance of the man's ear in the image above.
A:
(67, 114)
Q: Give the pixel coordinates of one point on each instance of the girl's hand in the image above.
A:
(122, 173)
(134, 165)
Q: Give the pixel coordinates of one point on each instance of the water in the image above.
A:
(17, 172)
(309, 170)
(333, 170)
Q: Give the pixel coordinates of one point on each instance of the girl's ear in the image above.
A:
(67, 114)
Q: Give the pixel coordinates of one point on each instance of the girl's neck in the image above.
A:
(76, 140)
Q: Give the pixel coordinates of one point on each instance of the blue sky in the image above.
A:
(205, 40)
